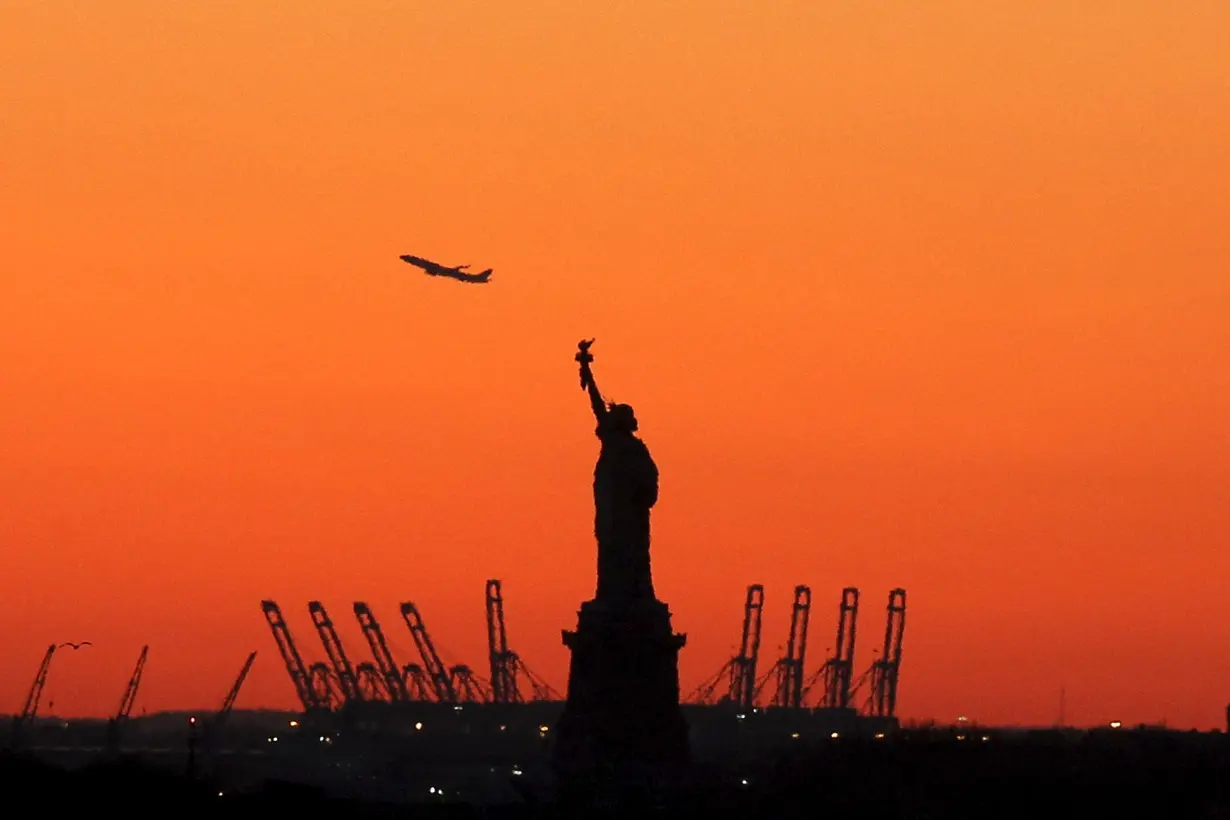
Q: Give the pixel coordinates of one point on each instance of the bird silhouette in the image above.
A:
(74, 645)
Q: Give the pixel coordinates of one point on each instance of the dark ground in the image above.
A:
(1168, 775)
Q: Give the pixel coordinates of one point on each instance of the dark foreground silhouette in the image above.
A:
(916, 775)
(622, 723)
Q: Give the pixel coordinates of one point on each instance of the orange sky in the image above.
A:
(931, 298)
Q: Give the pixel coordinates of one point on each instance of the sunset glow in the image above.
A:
(932, 298)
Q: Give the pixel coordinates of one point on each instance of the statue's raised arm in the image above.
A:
(584, 357)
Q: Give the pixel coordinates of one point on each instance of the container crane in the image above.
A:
(134, 685)
(441, 681)
(508, 670)
(740, 670)
(395, 681)
(885, 671)
(116, 724)
(337, 654)
(838, 670)
(30, 709)
(300, 675)
(503, 661)
(214, 726)
(229, 702)
(743, 666)
(788, 691)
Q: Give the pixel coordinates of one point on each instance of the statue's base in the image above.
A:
(622, 730)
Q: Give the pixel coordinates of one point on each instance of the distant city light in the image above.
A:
(835, 735)
(795, 735)
(1115, 724)
(294, 723)
(879, 735)
(418, 727)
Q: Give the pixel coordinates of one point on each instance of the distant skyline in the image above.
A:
(931, 298)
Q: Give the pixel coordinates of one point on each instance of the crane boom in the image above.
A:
(790, 668)
(441, 682)
(840, 667)
(743, 666)
(393, 679)
(30, 709)
(214, 726)
(298, 670)
(134, 684)
(337, 654)
(504, 687)
(740, 670)
(115, 725)
(229, 701)
(886, 670)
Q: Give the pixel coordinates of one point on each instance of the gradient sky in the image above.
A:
(923, 297)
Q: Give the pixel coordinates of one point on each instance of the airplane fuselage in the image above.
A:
(457, 272)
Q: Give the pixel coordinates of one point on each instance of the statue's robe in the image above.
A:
(625, 488)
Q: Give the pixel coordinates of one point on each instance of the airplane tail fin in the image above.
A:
(483, 276)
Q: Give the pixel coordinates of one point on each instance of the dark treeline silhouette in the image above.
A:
(916, 775)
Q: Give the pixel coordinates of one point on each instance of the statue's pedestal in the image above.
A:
(622, 728)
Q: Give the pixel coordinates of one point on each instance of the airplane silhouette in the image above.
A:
(435, 269)
(74, 645)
